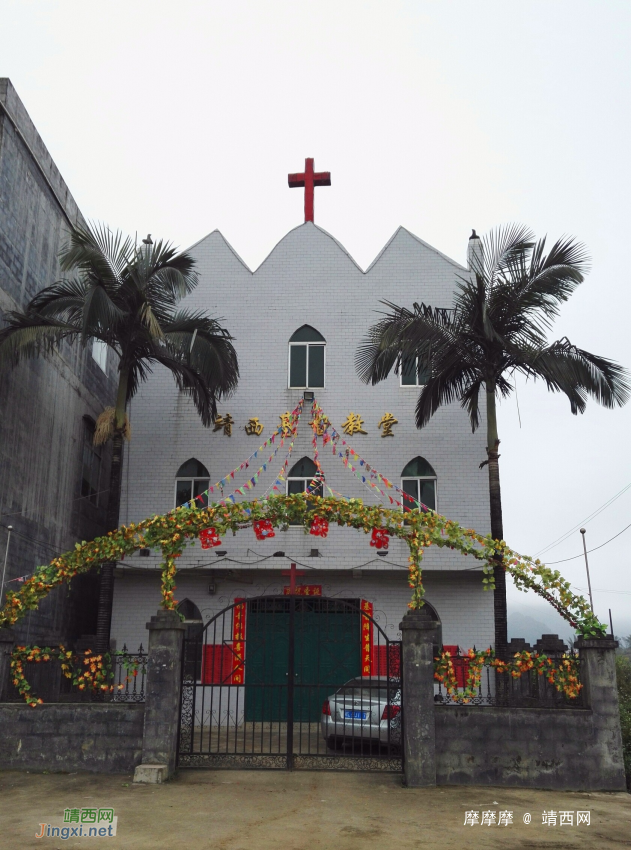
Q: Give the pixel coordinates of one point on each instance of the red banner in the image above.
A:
(238, 641)
(366, 637)
(304, 590)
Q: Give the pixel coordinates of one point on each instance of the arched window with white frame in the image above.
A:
(192, 480)
(300, 477)
(307, 353)
(418, 481)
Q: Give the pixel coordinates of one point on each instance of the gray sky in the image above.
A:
(178, 118)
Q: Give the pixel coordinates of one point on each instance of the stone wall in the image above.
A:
(528, 747)
(44, 400)
(100, 738)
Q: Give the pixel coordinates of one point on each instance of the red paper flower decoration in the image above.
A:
(209, 538)
(319, 527)
(263, 529)
(380, 538)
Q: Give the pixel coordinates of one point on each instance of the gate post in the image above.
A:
(419, 635)
(162, 698)
(598, 673)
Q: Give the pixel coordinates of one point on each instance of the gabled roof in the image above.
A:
(429, 247)
(219, 235)
(308, 224)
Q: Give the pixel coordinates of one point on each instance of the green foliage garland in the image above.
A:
(562, 674)
(181, 527)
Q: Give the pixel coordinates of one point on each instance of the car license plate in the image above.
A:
(355, 715)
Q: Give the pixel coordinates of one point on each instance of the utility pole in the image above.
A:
(589, 584)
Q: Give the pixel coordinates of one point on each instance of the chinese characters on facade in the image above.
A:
(353, 424)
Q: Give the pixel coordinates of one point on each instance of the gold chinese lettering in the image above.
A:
(386, 422)
(254, 426)
(226, 422)
(286, 424)
(353, 424)
(319, 424)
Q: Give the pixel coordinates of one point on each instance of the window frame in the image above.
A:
(192, 481)
(306, 484)
(419, 478)
(101, 359)
(306, 386)
(411, 386)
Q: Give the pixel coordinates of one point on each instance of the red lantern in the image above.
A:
(209, 538)
(263, 529)
(380, 538)
(319, 527)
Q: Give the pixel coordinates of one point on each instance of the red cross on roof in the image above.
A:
(309, 179)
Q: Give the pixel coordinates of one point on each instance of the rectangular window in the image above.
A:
(306, 366)
(411, 376)
(422, 490)
(91, 467)
(99, 353)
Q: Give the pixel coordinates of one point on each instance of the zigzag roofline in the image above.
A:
(339, 245)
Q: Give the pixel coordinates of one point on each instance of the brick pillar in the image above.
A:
(162, 698)
(7, 642)
(419, 643)
(598, 674)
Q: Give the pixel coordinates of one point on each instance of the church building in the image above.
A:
(297, 321)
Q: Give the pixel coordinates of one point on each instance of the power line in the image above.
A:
(582, 522)
(574, 557)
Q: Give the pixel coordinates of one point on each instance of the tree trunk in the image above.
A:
(106, 587)
(497, 525)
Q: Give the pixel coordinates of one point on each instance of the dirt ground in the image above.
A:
(257, 810)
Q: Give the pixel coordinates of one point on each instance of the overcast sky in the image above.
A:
(179, 118)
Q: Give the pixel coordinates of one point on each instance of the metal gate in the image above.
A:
(292, 681)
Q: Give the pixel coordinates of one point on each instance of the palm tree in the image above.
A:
(127, 298)
(497, 326)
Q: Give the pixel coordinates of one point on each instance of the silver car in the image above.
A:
(363, 711)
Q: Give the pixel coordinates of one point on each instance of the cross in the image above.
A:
(292, 573)
(309, 179)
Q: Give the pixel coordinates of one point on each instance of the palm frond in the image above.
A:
(578, 373)
(29, 335)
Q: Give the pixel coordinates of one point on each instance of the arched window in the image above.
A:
(301, 475)
(418, 480)
(306, 358)
(192, 480)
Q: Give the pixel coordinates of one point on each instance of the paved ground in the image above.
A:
(256, 810)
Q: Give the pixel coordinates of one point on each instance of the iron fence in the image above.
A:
(530, 690)
(48, 682)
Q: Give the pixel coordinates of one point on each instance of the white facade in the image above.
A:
(307, 279)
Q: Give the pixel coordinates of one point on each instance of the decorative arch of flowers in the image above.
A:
(182, 527)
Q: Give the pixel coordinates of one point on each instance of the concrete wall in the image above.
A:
(104, 738)
(137, 597)
(527, 747)
(43, 401)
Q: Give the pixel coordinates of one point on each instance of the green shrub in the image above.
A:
(623, 676)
